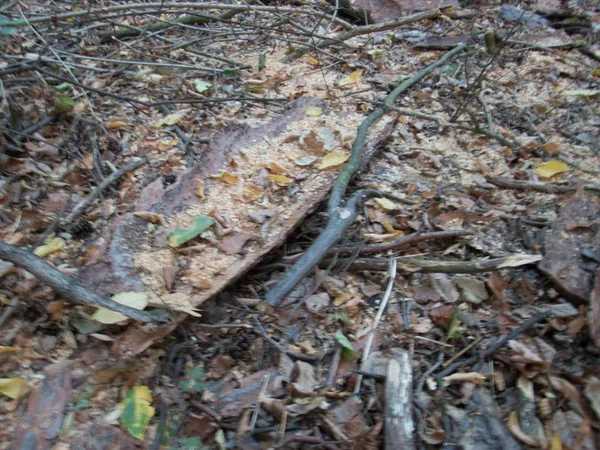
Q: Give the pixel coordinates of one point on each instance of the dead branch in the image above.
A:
(497, 346)
(399, 425)
(403, 241)
(93, 14)
(70, 289)
(547, 188)
(359, 31)
(194, 19)
(342, 215)
(412, 265)
(80, 207)
(441, 122)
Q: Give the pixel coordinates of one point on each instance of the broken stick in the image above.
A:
(71, 289)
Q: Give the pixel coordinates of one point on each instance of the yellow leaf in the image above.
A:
(51, 246)
(387, 225)
(551, 168)
(200, 189)
(151, 217)
(276, 167)
(13, 387)
(334, 159)
(386, 204)
(4, 349)
(226, 177)
(280, 179)
(313, 111)
(170, 119)
(116, 123)
(351, 79)
(312, 60)
(137, 410)
(137, 300)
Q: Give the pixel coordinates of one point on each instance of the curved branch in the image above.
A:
(341, 216)
(71, 289)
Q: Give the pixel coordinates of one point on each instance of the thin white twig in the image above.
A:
(382, 306)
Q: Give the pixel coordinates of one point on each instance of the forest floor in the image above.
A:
(178, 157)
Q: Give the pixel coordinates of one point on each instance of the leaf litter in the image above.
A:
(261, 173)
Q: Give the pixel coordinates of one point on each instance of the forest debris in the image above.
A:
(563, 261)
(46, 409)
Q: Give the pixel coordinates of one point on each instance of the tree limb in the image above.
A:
(71, 289)
(341, 216)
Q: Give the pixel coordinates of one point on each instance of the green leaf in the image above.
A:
(62, 87)
(6, 30)
(451, 69)
(347, 348)
(202, 86)
(181, 235)
(136, 411)
(191, 443)
(455, 329)
(313, 111)
(230, 73)
(194, 380)
(64, 104)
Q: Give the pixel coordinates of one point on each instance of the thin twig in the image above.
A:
(547, 188)
(496, 346)
(80, 207)
(92, 14)
(380, 311)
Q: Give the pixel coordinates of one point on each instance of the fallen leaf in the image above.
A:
(461, 377)
(233, 243)
(136, 411)
(334, 159)
(151, 217)
(313, 111)
(177, 301)
(182, 235)
(386, 204)
(351, 79)
(116, 123)
(13, 387)
(4, 349)
(202, 86)
(305, 160)
(280, 179)
(551, 168)
(52, 245)
(200, 189)
(137, 300)
(169, 119)
(347, 347)
(226, 177)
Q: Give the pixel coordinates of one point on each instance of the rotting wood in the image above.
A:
(342, 215)
(71, 289)
(399, 425)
